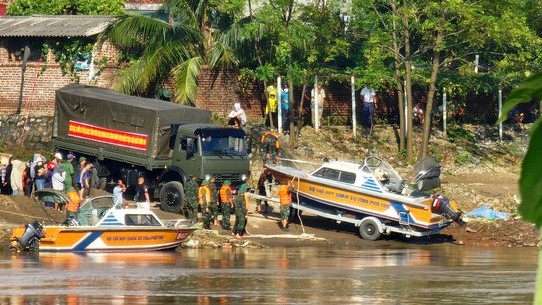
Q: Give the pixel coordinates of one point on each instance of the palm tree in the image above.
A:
(176, 49)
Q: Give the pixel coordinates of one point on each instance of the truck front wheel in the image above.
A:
(172, 197)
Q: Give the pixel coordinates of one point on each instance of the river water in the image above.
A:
(385, 274)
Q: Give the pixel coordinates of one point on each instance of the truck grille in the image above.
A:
(223, 177)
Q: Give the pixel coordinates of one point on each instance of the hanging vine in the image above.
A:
(73, 56)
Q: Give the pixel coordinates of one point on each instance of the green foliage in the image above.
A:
(266, 72)
(68, 52)
(335, 120)
(458, 135)
(175, 49)
(65, 7)
(530, 182)
(185, 77)
(245, 77)
(463, 157)
(528, 90)
(436, 151)
(218, 119)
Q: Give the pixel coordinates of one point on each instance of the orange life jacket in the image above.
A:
(204, 194)
(225, 194)
(284, 195)
(270, 134)
(73, 202)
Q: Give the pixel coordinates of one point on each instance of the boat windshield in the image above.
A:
(379, 167)
(141, 220)
(223, 144)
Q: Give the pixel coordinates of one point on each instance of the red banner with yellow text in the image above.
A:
(106, 135)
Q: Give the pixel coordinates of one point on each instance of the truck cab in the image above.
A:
(203, 150)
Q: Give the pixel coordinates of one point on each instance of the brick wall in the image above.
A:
(218, 91)
(41, 79)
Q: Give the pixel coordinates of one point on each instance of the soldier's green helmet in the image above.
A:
(242, 188)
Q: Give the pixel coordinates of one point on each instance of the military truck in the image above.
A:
(130, 136)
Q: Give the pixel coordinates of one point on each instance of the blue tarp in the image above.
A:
(488, 213)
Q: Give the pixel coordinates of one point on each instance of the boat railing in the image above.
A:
(175, 223)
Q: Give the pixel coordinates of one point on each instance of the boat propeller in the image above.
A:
(30, 238)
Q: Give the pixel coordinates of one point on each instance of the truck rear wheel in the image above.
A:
(172, 197)
(369, 230)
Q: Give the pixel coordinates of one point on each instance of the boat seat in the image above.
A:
(396, 186)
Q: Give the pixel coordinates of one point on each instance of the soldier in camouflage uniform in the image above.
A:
(191, 194)
(240, 211)
(214, 200)
(204, 194)
(226, 198)
(270, 146)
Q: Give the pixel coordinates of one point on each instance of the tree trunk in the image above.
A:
(292, 140)
(408, 78)
(399, 79)
(432, 90)
(429, 106)
(300, 115)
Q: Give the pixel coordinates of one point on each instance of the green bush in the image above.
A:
(456, 135)
(463, 157)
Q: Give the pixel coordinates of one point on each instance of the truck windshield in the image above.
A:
(221, 143)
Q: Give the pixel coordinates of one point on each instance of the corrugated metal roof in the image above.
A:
(53, 26)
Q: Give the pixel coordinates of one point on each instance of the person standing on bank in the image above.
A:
(16, 177)
(83, 180)
(27, 179)
(285, 198)
(59, 175)
(285, 108)
(142, 198)
(226, 198)
(240, 211)
(214, 200)
(39, 178)
(70, 172)
(118, 192)
(191, 193)
(204, 194)
(271, 106)
(368, 95)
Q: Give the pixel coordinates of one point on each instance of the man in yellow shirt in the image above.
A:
(285, 198)
(271, 107)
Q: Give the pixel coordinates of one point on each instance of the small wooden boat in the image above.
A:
(100, 225)
(372, 196)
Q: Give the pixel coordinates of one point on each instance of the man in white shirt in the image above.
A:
(237, 116)
(368, 95)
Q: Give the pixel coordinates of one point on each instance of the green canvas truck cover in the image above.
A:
(113, 122)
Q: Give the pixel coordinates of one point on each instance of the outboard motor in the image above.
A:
(441, 205)
(427, 174)
(30, 239)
